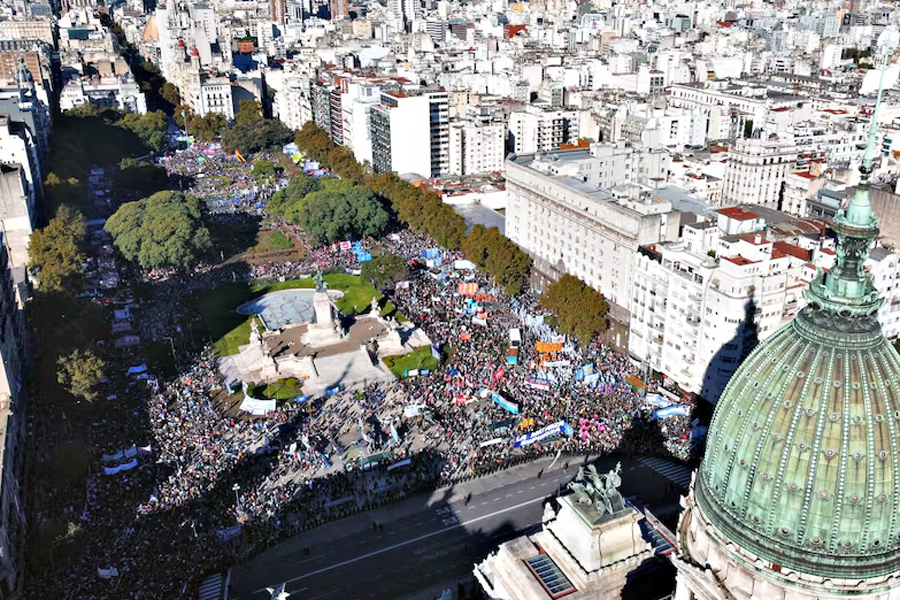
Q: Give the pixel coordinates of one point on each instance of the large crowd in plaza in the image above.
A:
(208, 486)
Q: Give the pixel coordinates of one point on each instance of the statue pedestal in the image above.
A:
(325, 330)
(596, 540)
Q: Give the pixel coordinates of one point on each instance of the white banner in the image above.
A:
(123, 467)
(257, 407)
(492, 442)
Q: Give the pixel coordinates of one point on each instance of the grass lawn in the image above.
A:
(420, 358)
(270, 241)
(229, 330)
(283, 389)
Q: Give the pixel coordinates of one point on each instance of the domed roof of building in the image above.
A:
(802, 465)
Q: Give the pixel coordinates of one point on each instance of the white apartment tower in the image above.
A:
(410, 132)
(541, 129)
(476, 147)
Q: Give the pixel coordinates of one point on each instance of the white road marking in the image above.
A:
(520, 491)
(303, 561)
(509, 495)
(408, 542)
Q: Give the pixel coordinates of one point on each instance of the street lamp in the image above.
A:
(237, 499)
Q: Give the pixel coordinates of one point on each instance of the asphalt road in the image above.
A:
(425, 541)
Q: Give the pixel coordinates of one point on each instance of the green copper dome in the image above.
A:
(802, 466)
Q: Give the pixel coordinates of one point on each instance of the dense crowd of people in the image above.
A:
(202, 485)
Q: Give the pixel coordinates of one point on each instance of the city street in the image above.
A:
(428, 540)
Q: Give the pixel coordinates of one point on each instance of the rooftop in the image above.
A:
(738, 213)
(739, 260)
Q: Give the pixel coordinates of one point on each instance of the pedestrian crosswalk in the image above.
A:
(677, 474)
(211, 588)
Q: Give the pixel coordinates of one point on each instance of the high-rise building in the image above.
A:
(796, 496)
(278, 11)
(339, 9)
(476, 147)
(410, 132)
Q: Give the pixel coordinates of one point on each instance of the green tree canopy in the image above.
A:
(137, 175)
(164, 230)
(577, 308)
(56, 252)
(59, 192)
(208, 127)
(264, 168)
(342, 210)
(385, 271)
(150, 128)
(80, 372)
(314, 141)
(288, 201)
(170, 94)
(252, 132)
(496, 254)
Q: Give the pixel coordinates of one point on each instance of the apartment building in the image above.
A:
(570, 225)
(356, 107)
(291, 105)
(476, 147)
(410, 131)
(757, 169)
(731, 108)
(17, 211)
(540, 128)
(118, 91)
(701, 304)
(28, 29)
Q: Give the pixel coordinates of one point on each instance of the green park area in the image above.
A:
(420, 358)
(229, 330)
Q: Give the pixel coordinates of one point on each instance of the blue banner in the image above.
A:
(504, 403)
(333, 390)
(584, 372)
(436, 352)
(300, 399)
(671, 412)
(558, 428)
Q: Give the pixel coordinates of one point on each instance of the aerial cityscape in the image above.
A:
(449, 300)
